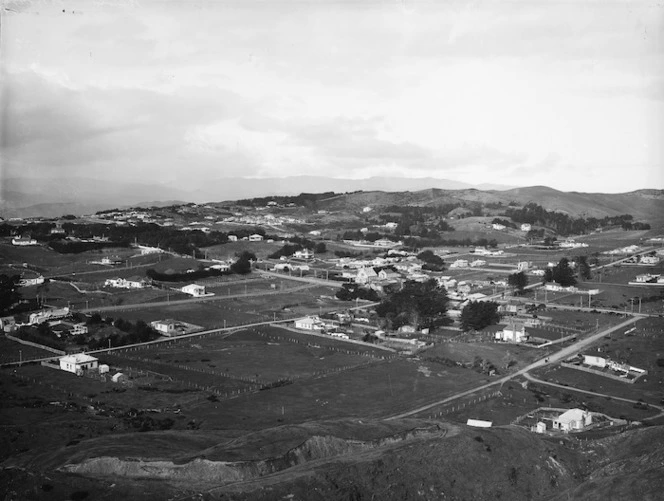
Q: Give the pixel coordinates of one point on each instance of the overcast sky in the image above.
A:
(564, 94)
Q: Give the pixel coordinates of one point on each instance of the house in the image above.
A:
(526, 227)
(515, 332)
(312, 323)
(134, 282)
(232, 238)
(478, 423)
(477, 263)
(255, 237)
(367, 209)
(78, 362)
(23, 241)
(387, 274)
(304, 254)
(391, 225)
(194, 290)
(523, 266)
(649, 260)
(44, 315)
(498, 226)
(61, 328)
(366, 275)
(8, 324)
(27, 282)
(221, 267)
(168, 327)
(595, 359)
(573, 419)
(314, 233)
(459, 263)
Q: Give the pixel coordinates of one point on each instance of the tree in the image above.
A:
(518, 281)
(320, 248)
(422, 305)
(243, 264)
(584, 267)
(561, 273)
(9, 294)
(479, 314)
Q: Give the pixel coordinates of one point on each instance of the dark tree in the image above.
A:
(479, 314)
(243, 264)
(584, 267)
(9, 294)
(518, 281)
(423, 305)
(320, 248)
(561, 273)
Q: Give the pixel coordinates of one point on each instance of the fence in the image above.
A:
(35, 345)
(456, 407)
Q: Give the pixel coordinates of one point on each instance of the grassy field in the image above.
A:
(9, 351)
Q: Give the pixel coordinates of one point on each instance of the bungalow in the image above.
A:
(23, 241)
(312, 323)
(384, 242)
(526, 227)
(649, 260)
(595, 359)
(498, 226)
(125, 283)
(27, 282)
(314, 233)
(366, 275)
(513, 333)
(459, 263)
(391, 225)
(50, 314)
(78, 362)
(522, 266)
(573, 419)
(221, 267)
(168, 327)
(194, 290)
(232, 238)
(8, 324)
(255, 237)
(61, 328)
(477, 263)
(304, 254)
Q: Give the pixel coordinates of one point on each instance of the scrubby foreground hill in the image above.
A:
(346, 460)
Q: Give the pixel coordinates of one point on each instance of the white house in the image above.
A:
(384, 242)
(477, 263)
(255, 237)
(27, 282)
(387, 274)
(304, 254)
(573, 419)
(459, 263)
(125, 283)
(315, 233)
(232, 238)
(366, 275)
(513, 333)
(594, 359)
(498, 226)
(78, 362)
(649, 260)
(194, 290)
(391, 225)
(168, 327)
(367, 209)
(312, 323)
(523, 266)
(23, 241)
(526, 227)
(479, 423)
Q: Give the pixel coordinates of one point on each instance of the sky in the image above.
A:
(564, 94)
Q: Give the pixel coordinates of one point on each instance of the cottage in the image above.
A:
(498, 226)
(168, 327)
(194, 290)
(366, 275)
(459, 263)
(78, 362)
(526, 227)
(513, 333)
(479, 423)
(312, 323)
(255, 237)
(23, 241)
(232, 238)
(125, 283)
(304, 254)
(594, 359)
(477, 263)
(61, 328)
(573, 419)
(387, 274)
(384, 242)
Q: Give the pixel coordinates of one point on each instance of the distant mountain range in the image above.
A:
(51, 197)
(22, 197)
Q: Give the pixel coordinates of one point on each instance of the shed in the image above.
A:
(103, 369)
(118, 377)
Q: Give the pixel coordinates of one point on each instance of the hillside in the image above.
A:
(644, 205)
(352, 459)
